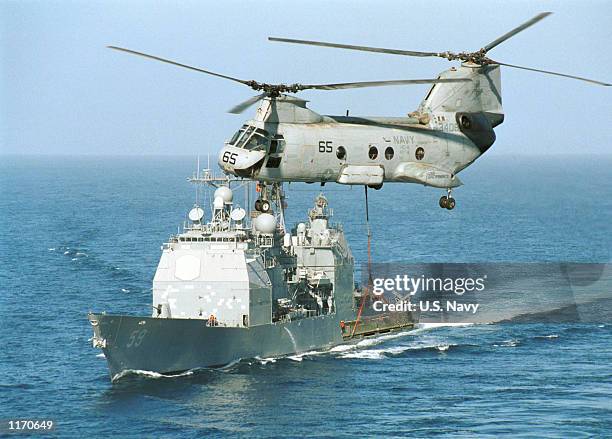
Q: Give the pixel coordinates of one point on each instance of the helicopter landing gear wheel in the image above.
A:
(447, 201)
(264, 206)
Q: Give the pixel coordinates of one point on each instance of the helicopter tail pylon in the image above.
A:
(481, 94)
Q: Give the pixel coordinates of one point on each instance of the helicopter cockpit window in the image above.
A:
(239, 133)
(258, 140)
(248, 131)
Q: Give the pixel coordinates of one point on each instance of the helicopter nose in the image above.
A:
(232, 159)
(223, 159)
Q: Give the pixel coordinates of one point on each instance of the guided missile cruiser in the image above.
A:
(240, 285)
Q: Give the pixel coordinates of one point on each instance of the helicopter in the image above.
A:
(454, 125)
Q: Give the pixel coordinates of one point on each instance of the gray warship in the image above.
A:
(240, 285)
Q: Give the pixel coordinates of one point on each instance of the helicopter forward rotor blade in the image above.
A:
(157, 58)
(592, 81)
(351, 47)
(516, 30)
(347, 85)
(246, 104)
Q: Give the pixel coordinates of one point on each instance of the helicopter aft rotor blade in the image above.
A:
(516, 30)
(347, 85)
(447, 55)
(351, 47)
(478, 57)
(554, 73)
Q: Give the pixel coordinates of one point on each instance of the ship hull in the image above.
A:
(169, 346)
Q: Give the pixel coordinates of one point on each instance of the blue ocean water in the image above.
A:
(81, 234)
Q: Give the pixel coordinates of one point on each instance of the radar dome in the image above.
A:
(218, 203)
(225, 193)
(196, 214)
(238, 214)
(265, 223)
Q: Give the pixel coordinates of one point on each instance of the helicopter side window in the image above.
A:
(277, 144)
(389, 153)
(373, 153)
(419, 153)
(341, 153)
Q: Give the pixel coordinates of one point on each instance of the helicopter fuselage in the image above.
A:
(347, 150)
(453, 126)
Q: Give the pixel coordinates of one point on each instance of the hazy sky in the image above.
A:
(63, 92)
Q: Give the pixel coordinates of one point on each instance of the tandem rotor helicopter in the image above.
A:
(453, 126)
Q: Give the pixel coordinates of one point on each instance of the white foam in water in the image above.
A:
(343, 348)
(52, 249)
(101, 355)
(66, 252)
(230, 365)
(367, 342)
(149, 374)
(125, 290)
(378, 354)
(441, 325)
(508, 343)
(265, 361)
(369, 354)
(306, 354)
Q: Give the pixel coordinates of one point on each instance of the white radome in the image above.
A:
(225, 193)
(218, 203)
(265, 223)
(196, 214)
(238, 214)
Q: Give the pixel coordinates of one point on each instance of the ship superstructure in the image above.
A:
(234, 273)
